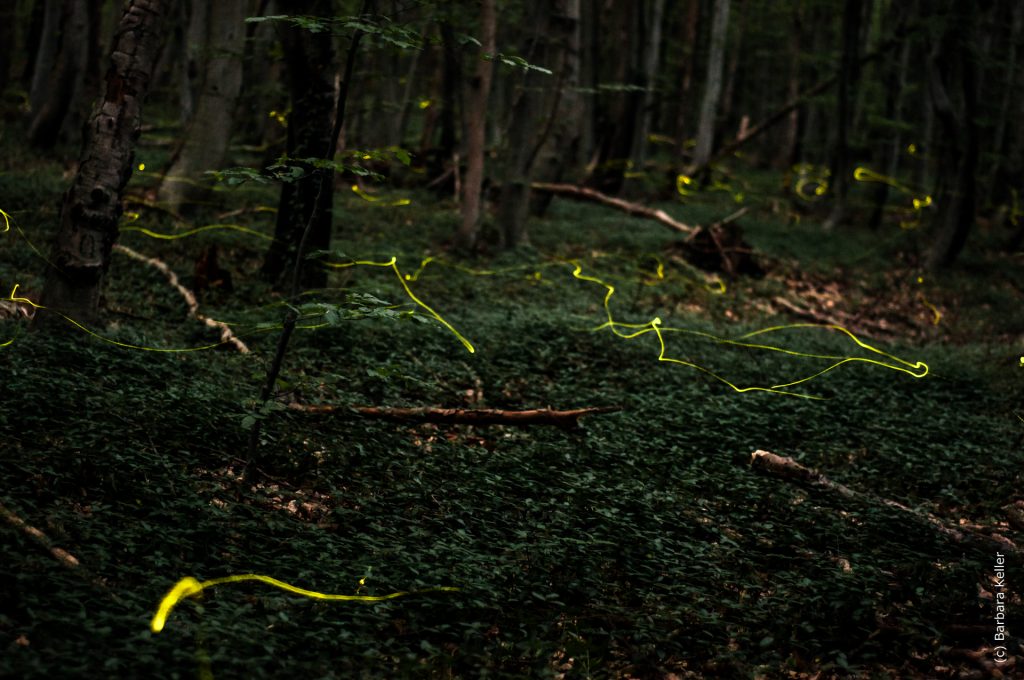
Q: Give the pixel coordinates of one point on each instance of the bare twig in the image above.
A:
(567, 419)
(788, 469)
(226, 334)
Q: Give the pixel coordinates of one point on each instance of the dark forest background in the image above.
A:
(683, 337)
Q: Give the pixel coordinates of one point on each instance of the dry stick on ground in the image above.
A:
(568, 420)
(40, 539)
(226, 335)
(629, 207)
(790, 470)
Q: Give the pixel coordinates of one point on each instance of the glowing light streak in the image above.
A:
(7, 222)
(191, 587)
(916, 370)
(393, 265)
(89, 331)
(918, 202)
(198, 230)
(809, 176)
(377, 199)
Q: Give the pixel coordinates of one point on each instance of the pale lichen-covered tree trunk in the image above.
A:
(206, 138)
(476, 127)
(92, 205)
(713, 84)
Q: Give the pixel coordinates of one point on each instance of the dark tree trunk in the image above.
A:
(309, 71)
(450, 76)
(839, 168)
(92, 205)
(479, 91)
(7, 28)
(952, 74)
(60, 80)
(537, 112)
(895, 80)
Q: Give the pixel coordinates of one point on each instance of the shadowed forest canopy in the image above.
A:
(511, 338)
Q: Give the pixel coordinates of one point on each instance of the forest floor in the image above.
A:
(644, 544)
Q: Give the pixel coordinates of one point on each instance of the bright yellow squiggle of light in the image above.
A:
(193, 232)
(393, 265)
(7, 222)
(377, 199)
(89, 331)
(916, 370)
(918, 203)
(190, 587)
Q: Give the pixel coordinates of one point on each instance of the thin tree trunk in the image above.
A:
(733, 72)
(56, 90)
(205, 142)
(561, 155)
(840, 165)
(652, 29)
(690, 33)
(713, 84)
(7, 42)
(789, 149)
(896, 84)
(476, 127)
(309, 67)
(952, 73)
(537, 114)
(92, 205)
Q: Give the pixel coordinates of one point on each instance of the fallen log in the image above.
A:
(39, 538)
(568, 420)
(226, 334)
(788, 469)
(629, 207)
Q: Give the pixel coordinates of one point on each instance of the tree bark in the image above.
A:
(853, 11)
(568, 420)
(790, 470)
(60, 79)
(952, 72)
(650, 60)
(92, 205)
(205, 142)
(476, 127)
(309, 67)
(713, 84)
(537, 113)
(631, 208)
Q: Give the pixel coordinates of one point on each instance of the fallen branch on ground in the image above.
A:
(39, 538)
(790, 470)
(226, 335)
(632, 208)
(463, 416)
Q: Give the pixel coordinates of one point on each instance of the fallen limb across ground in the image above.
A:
(790, 470)
(568, 419)
(226, 335)
(632, 208)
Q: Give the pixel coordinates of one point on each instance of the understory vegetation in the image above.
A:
(639, 545)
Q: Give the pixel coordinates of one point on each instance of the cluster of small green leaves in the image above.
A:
(288, 170)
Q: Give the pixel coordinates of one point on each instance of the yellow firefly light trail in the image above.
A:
(393, 265)
(191, 587)
(917, 370)
(193, 232)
